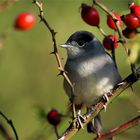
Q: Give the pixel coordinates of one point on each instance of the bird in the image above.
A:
(91, 71)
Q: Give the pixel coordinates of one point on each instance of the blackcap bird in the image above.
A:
(90, 69)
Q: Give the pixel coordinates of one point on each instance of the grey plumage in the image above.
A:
(91, 70)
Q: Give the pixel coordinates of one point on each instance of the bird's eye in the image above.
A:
(81, 42)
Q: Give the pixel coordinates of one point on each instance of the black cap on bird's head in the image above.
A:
(80, 43)
(78, 39)
(81, 37)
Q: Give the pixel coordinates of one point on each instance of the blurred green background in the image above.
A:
(28, 73)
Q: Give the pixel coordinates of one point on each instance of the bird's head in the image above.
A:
(82, 43)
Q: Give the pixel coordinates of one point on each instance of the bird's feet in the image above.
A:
(78, 121)
(106, 99)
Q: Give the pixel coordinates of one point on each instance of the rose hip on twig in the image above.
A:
(110, 42)
(54, 117)
(129, 33)
(111, 22)
(90, 15)
(135, 9)
(131, 21)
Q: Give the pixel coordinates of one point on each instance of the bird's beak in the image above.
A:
(66, 45)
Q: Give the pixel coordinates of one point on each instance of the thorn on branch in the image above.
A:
(40, 19)
(52, 52)
(61, 73)
(53, 32)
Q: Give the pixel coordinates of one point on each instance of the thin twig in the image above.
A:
(56, 131)
(109, 12)
(121, 37)
(10, 123)
(55, 51)
(99, 105)
(101, 31)
(119, 129)
(53, 33)
(112, 44)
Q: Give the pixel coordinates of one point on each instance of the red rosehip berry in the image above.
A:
(54, 117)
(110, 42)
(131, 21)
(129, 33)
(90, 15)
(111, 23)
(25, 21)
(135, 9)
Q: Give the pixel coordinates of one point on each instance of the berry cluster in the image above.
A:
(131, 21)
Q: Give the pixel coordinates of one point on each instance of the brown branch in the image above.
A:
(99, 105)
(55, 51)
(53, 33)
(5, 133)
(11, 124)
(119, 129)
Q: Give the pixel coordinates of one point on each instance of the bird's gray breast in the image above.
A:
(91, 77)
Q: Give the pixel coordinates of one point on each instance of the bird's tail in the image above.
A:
(95, 126)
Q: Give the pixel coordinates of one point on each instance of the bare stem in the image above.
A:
(112, 45)
(119, 129)
(119, 30)
(109, 12)
(101, 31)
(53, 33)
(56, 132)
(11, 124)
(55, 51)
